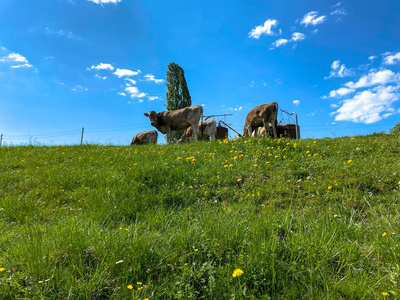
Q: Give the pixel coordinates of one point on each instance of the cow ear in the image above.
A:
(146, 114)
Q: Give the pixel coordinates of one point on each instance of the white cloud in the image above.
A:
(391, 59)
(279, 42)
(372, 57)
(100, 77)
(130, 81)
(125, 72)
(265, 29)
(102, 66)
(15, 57)
(375, 78)
(251, 84)
(296, 102)
(338, 70)
(121, 94)
(105, 1)
(133, 91)
(152, 98)
(312, 18)
(141, 101)
(369, 106)
(298, 36)
(340, 92)
(236, 108)
(150, 77)
(17, 60)
(21, 66)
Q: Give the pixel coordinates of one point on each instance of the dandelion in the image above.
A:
(237, 273)
(40, 281)
(140, 288)
(349, 161)
(267, 163)
(195, 250)
(239, 180)
(139, 283)
(384, 293)
(146, 299)
(329, 187)
(255, 165)
(2, 269)
(130, 286)
(384, 234)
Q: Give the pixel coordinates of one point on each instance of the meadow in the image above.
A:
(305, 219)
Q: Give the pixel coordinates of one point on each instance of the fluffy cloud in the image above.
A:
(296, 102)
(265, 29)
(125, 72)
(236, 108)
(312, 18)
(338, 70)
(150, 77)
(105, 1)
(102, 66)
(152, 98)
(391, 59)
(130, 81)
(375, 78)
(298, 36)
(133, 91)
(17, 60)
(279, 42)
(369, 106)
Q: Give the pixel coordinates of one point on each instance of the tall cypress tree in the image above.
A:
(178, 95)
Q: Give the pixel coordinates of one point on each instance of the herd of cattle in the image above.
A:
(260, 121)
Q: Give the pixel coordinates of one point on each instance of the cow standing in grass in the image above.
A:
(207, 129)
(261, 116)
(145, 137)
(179, 119)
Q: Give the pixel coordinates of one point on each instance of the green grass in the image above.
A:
(308, 219)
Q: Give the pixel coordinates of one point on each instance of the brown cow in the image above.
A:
(207, 129)
(179, 119)
(286, 131)
(222, 133)
(261, 116)
(145, 137)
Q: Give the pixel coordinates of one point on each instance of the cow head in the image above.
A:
(152, 117)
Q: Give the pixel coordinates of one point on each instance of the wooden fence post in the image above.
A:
(83, 128)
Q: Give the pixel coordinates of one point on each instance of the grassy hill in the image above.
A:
(307, 219)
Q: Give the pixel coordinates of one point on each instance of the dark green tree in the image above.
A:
(178, 95)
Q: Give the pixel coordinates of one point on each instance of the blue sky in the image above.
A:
(100, 64)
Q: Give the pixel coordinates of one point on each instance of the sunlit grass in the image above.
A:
(307, 219)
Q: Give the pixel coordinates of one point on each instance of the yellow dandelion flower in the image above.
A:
(240, 179)
(349, 161)
(195, 250)
(130, 286)
(140, 288)
(267, 163)
(329, 187)
(255, 165)
(40, 281)
(1, 269)
(139, 283)
(237, 273)
(384, 293)
(146, 299)
(384, 234)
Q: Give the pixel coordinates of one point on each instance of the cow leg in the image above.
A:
(274, 130)
(195, 128)
(169, 135)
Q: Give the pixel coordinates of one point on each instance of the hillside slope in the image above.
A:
(308, 219)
